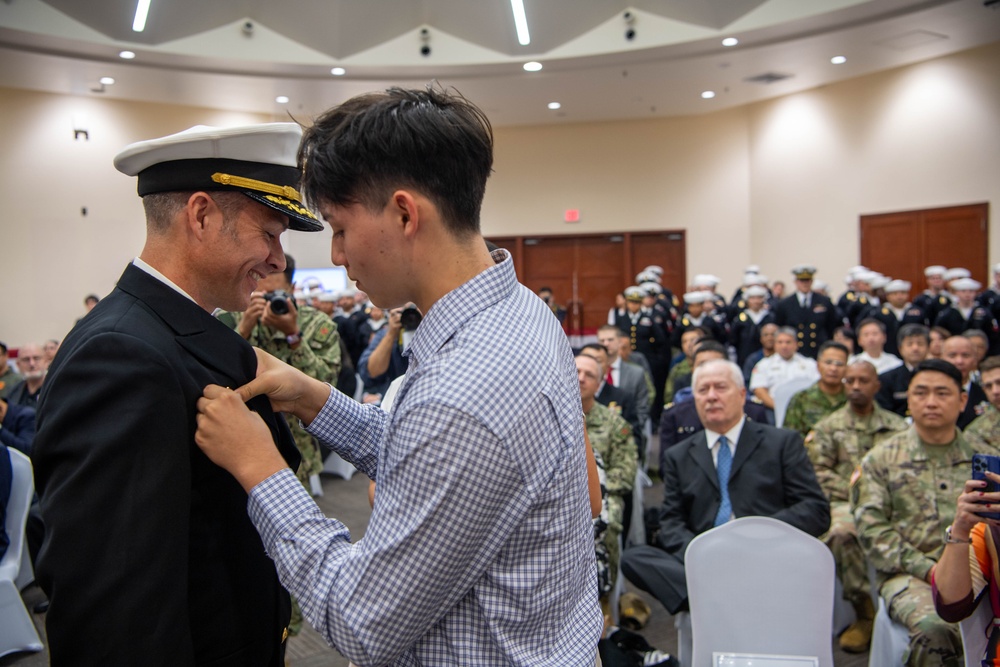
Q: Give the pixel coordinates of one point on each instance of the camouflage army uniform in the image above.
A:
(611, 437)
(903, 499)
(679, 370)
(836, 445)
(984, 432)
(318, 356)
(809, 406)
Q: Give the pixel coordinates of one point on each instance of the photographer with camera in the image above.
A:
(299, 335)
(383, 361)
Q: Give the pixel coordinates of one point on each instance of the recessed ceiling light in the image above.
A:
(730, 41)
(338, 71)
(533, 66)
(141, 12)
(708, 94)
(107, 81)
(554, 105)
(838, 60)
(126, 55)
(281, 99)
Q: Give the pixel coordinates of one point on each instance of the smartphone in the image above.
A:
(982, 463)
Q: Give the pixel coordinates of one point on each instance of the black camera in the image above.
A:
(279, 300)
(410, 318)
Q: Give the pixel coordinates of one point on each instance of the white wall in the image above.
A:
(774, 183)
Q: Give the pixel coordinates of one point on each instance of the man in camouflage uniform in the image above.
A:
(302, 337)
(611, 438)
(836, 446)
(984, 431)
(810, 405)
(903, 499)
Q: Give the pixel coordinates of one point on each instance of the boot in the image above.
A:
(858, 636)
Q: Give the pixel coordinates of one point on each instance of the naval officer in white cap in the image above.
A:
(149, 554)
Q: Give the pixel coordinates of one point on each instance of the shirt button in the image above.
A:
(944, 487)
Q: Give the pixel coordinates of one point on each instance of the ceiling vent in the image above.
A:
(768, 77)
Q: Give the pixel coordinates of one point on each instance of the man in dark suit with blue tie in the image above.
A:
(734, 468)
(149, 555)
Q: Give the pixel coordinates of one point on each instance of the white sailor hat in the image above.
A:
(935, 270)
(651, 288)
(704, 280)
(697, 297)
(996, 268)
(819, 285)
(755, 290)
(965, 283)
(653, 268)
(865, 277)
(752, 279)
(329, 297)
(257, 160)
(753, 268)
(860, 268)
(956, 273)
(647, 277)
(879, 281)
(898, 286)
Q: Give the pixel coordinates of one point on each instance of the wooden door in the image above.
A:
(902, 244)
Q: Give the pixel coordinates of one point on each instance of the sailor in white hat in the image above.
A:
(965, 313)
(936, 297)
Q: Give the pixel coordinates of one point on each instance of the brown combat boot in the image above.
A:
(858, 636)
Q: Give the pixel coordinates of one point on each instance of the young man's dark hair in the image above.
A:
(709, 346)
(989, 363)
(868, 321)
(940, 366)
(595, 346)
(437, 143)
(911, 331)
(832, 345)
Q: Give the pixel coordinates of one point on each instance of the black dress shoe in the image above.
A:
(41, 607)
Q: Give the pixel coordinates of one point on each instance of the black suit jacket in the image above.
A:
(771, 476)
(149, 554)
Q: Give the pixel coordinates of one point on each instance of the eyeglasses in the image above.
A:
(833, 362)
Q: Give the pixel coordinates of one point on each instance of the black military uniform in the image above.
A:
(814, 322)
(744, 334)
(932, 304)
(892, 394)
(648, 335)
(911, 315)
(951, 318)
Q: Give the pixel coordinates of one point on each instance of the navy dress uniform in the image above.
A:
(894, 319)
(954, 320)
(687, 321)
(933, 301)
(814, 317)
(647, 334)
(744, 331)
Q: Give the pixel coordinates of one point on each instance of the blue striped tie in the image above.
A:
(722, 468)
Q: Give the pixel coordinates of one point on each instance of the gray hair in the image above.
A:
(162, 207)
(734, 371)
(787, 331)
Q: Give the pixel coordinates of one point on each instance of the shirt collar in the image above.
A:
(159, 276)
(454, 309)
(732, 435)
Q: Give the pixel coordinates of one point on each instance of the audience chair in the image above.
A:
(782, 394)
(976, 631)
(17, 630)
(889, 640)
(761, 586)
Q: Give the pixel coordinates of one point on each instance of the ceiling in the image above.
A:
(243, 54)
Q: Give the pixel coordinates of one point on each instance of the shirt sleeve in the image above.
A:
(351, 429)
(449, 498)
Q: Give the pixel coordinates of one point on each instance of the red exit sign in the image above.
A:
(572, 215)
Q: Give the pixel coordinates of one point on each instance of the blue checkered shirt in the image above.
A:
(480, 547)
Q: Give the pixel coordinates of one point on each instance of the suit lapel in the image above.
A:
(750, 439)
(212, 343)
(702, 456)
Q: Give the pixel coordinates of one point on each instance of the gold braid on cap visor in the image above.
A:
(286, 191)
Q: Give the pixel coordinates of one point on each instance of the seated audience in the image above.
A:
(611, 438)
(984, 431)
(871, 339)
(680, 375)
(33, 367)
(784, 365)
(846, 337)
(49, 349)
(8, 376)
(613, 396)
(913, 342)
(902, 500)
(768, 332)
(734, 468)
(938, 336)
(680, 420)
(836, 445)
(17, 426)
(959, 352)
(810, 405)
(628, 377)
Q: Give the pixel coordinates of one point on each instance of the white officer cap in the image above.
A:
(755, 290)
(633, 293)
(898, 286)
(965, 283)
(935, 270)
(258, 160)
(956, 273)
(647, 277)
(803, 271)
